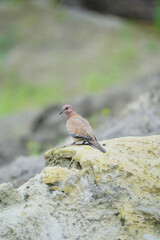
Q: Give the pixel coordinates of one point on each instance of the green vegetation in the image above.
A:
(56, 56)
(7, 41)
(114, 68)
(14, 1)
(105, 111)
(157, 14)
(33, 148)
(16, 95)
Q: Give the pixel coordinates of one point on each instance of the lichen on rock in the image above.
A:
(8, 195)
(128, 173)
(85, 194)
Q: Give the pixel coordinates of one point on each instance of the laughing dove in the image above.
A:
(79, 128)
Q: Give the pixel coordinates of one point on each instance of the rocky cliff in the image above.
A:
(85, 194)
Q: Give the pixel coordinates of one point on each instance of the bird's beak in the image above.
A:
(61, 112)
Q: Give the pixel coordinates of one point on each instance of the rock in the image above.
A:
(150, 237)
(139, 9)
(34, 219)
(21, 169)
(139, 118)
(48, 128)
(85, 194)
(45, 129)
(8, 195)
(13, 129)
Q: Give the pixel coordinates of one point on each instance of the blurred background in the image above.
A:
(103, 57)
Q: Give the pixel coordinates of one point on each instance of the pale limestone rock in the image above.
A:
(85, 194)
(8, 195)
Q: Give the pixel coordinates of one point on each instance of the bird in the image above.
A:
(79, 128)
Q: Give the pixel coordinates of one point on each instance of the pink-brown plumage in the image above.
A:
(79, 128)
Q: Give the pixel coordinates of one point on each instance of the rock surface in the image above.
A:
(45, 129)
(21, 169)
(85, 194)
(13, 129)
(139, 118)
(112, 38)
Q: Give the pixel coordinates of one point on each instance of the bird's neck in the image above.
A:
(72, 114)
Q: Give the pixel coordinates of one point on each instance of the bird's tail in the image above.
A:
(96, 145)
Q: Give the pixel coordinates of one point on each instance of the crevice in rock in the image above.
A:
(63, 161)
(123, 221)
(68, 163)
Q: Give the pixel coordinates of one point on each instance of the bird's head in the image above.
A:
(67, 109)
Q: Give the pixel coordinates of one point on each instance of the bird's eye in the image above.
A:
(66, 108)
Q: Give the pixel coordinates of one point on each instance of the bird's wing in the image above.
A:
(79, 127)
(89, 128)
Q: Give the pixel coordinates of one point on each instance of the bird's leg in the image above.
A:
(83, 142)
(73, 143)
